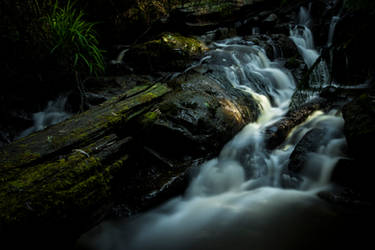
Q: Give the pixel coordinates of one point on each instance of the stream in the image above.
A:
(241, 199)
(53, 113)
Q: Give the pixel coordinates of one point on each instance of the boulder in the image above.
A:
(169, 53)
(203, 116)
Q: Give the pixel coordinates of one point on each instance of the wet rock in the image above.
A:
(340, 95)
(310, 142)
(286, 45)
(269, 22)
(277, 46)
(170, 53)
(202, 116)
(280, 47)
(277, 133)
(202, 16)
(301, 167)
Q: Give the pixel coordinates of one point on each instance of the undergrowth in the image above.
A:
(73, 39)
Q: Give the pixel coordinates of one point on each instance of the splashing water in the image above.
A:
(237, 200)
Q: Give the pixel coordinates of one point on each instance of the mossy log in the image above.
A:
(122, 156)
(60, 179)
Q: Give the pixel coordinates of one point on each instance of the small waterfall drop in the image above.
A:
(53, 113)
(303, 38)
(331, 32)
(237, 201)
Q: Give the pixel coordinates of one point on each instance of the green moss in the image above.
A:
(150, 117)
(29, 156)
(188, 45)
(117, 165)
(25, 157)
(77, 179)
(147, 97)
(207, 7)
(170, 43)
(62, 187)
(37, 174)
(80, 129)
(136, 90)
(143, 100)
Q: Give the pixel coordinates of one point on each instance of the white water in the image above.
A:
(303, 38)
(331, 32)
(54, 113)
(237, 201)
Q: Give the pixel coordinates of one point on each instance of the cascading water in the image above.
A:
(237, 201)
(303, 38)
(54, 113)
(331, 32)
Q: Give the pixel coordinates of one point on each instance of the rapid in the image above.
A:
(243, 198)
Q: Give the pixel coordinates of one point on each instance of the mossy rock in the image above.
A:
(171, 52)
(199, 118)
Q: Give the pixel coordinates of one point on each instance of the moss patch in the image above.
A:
(57, 173)
(81, 129)
(188, 45)
(170, 52)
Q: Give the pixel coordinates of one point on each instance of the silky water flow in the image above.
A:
(238, 200)
(53, 113)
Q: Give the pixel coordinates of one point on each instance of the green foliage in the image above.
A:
(73, 39)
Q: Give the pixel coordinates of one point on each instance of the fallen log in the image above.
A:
(60, 178)
(122, 156)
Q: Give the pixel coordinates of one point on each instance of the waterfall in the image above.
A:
(53, 113)
(303, 38)
(331, 32)
(237, 200)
